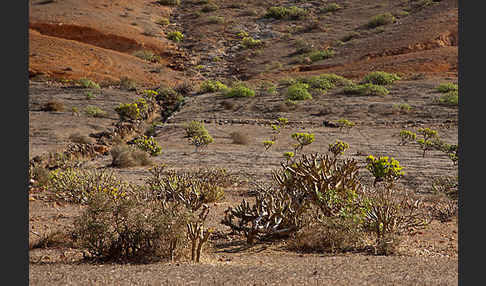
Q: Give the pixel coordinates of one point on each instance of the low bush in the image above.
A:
(239, 90)
(209, 7)
(175, 36)
(320, 55)
(124, 156)
(447, 87)
(87, 83)
(250, 43)
(211, 86)
(331, 7)
(76, 185)
(367, 89)
(384, 169)
(450, 98)
(381, 19)
(148, 144)
(290, 13)
(298, 91)
(148, 56)
(53, 105)
(94, 111)
(240, 138)
(80, 138)
(380, 78)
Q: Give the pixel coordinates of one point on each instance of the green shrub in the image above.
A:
(163, 21)
(87, 83)
(384, 169)
(407, 136)
(331, 7)
(449, 99)
(77, 185)
(429, 140)
(212, 86)
(128, 111)
(215, 20)
(94, 111)
(447, 87)
(298, 91)
(338, 148)
(380, 78)
(250, 43)
(320, 55)
(267, 144)
(194, 128)
(291, 13)
(175, 36)
(303, 139)
(366, 89)
(381, 19)
(239, 90)
(149, 145)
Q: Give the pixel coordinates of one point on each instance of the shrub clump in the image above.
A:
(94, 111)
(384, 169)
(298, 91)
(380, 78)
(87, 83)
(366, 89)
(290, 13)
(124, 156)
(447, 87)
(212, 86)
(149, 145)
(250, 43)
(381, 19)
(239, 90)
(449, 99)
(175, 36)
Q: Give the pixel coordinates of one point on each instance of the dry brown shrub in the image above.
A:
(331, 235)
(240, 138)
(80, 138)
(228, 105)
(53, 105)
(124, 156)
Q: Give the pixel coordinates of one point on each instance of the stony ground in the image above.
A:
(96, 39)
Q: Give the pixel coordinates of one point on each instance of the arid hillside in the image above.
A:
(262, 77)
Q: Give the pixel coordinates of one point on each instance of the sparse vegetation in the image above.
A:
(87, 83)
(298, 91)
(380, 78)
(175, 36)
(239, 90)
(447, 87)
(124, 156)
(94, 111)
(289, 13)
(148, 144)
(53, 105)
(381, 19)
(148, 56)
(367, 89)
(211, 86)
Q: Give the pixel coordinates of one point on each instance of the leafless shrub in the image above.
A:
(124, 156)
(53, 105)
(240, 138)
(80, 138)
